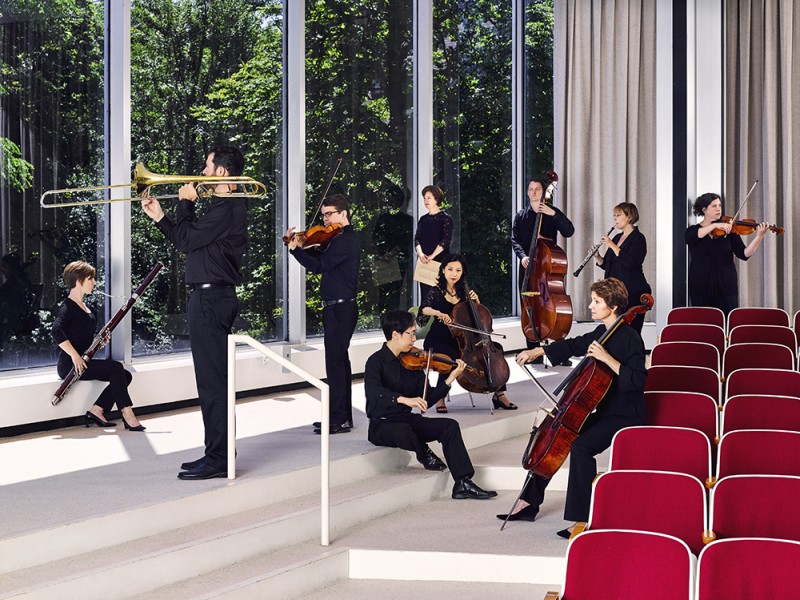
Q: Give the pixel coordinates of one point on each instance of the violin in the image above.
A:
(741, 227)
(584, 388)
(417, 360)
(472, 329)
(546, 307)
(319, 236)
(316, 238)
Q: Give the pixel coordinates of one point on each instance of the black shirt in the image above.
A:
(711, 269)
(214, 243)
(386, 379)
(76, 325)
(522, 229)
(434, 230)
(627, 267)
(338, 265)
(625, 397)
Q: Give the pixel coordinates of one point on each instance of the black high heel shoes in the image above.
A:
(497, 403)
(526, 514)
(93, 418)
(139, 427)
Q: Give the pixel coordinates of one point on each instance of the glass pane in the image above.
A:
(204, 74)
(538, 82)
(359, 107)
(51, 136)
(472, 138)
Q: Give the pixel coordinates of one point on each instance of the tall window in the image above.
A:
(51, 136)
(358, 107)
(472, 138)
(538, 87)
(203, 74)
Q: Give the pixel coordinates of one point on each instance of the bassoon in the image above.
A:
(102, 336)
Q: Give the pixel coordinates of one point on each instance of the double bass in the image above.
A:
(546, 307)
(472, 329)
(583, 389)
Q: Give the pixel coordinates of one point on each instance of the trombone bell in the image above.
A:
(143, 180)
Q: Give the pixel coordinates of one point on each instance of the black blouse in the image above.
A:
(434, 230)
(439, 338)
(522, 229)
(77, 326)
(711, 269)
(627, 267)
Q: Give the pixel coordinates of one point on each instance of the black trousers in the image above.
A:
(725, 303)
(339, 323)
(413, 432)
(211, 316)
(112, 371)
(595, 437)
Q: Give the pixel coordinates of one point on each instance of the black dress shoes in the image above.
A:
(343, 428)
(93, 418)
(564, 533)
(465, 488)
(203, 471)
(188, 466)
(526, 514)
(431, 462)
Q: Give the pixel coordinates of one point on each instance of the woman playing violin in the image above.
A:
(439, 303)
(712, 274)
(622, 406)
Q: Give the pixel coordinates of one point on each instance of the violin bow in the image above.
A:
(427, 375)
(746, 198)
(327, 188)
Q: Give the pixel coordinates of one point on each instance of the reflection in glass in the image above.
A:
(51, 136)
(538, 85)
(196, 84)
(358, 106)
(472, 138)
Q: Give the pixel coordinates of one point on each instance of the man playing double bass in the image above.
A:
(622, 406)
(522, 231)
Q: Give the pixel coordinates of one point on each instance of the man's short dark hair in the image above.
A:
(338, 201)
(230, 158)
(396, 320)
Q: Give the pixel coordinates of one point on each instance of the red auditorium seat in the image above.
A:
(774, 382)
(710, 334)
(758, 451)
(683, 409)
(669, 378)
(748, 568)
(756, 356)
(654, 501)
(675, 449)
(757, 316)
(685, 354)
(760, 411)
(769, 334)
(796, 321)
(611, 564)
(698, 315)
(755, 506)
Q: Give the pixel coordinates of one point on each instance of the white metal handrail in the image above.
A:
(324, 421)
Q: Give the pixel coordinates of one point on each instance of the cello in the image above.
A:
(472, 329)
(546, 307)
(584, 388)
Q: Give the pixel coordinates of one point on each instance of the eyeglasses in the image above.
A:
(411, 334)
(329, 213)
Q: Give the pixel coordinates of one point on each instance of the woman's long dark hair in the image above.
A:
(441, 281)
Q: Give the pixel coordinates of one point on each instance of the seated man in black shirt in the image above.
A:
(393, 392)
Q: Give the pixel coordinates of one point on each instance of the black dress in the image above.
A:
(622, 406)
(627, 267)
(712, 274)
(433, 230)
(439, 339)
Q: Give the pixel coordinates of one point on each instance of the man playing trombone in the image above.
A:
(214, 245)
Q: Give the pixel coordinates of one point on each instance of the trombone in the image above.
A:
(143, 180)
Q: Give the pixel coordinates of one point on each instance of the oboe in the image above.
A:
(102, 337)
(592, 251)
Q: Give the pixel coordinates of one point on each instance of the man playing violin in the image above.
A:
(712, 274)
(338, 264)
(393, 392)
(622, 406)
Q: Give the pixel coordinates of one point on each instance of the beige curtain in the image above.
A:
(604, 111)
(762, 122)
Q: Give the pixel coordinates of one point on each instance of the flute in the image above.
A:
(592, 251)
(102, 336)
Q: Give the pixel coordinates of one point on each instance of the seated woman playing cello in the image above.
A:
(622, 406)
(440, 302)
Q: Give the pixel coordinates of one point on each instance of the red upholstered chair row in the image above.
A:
(706, 315)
